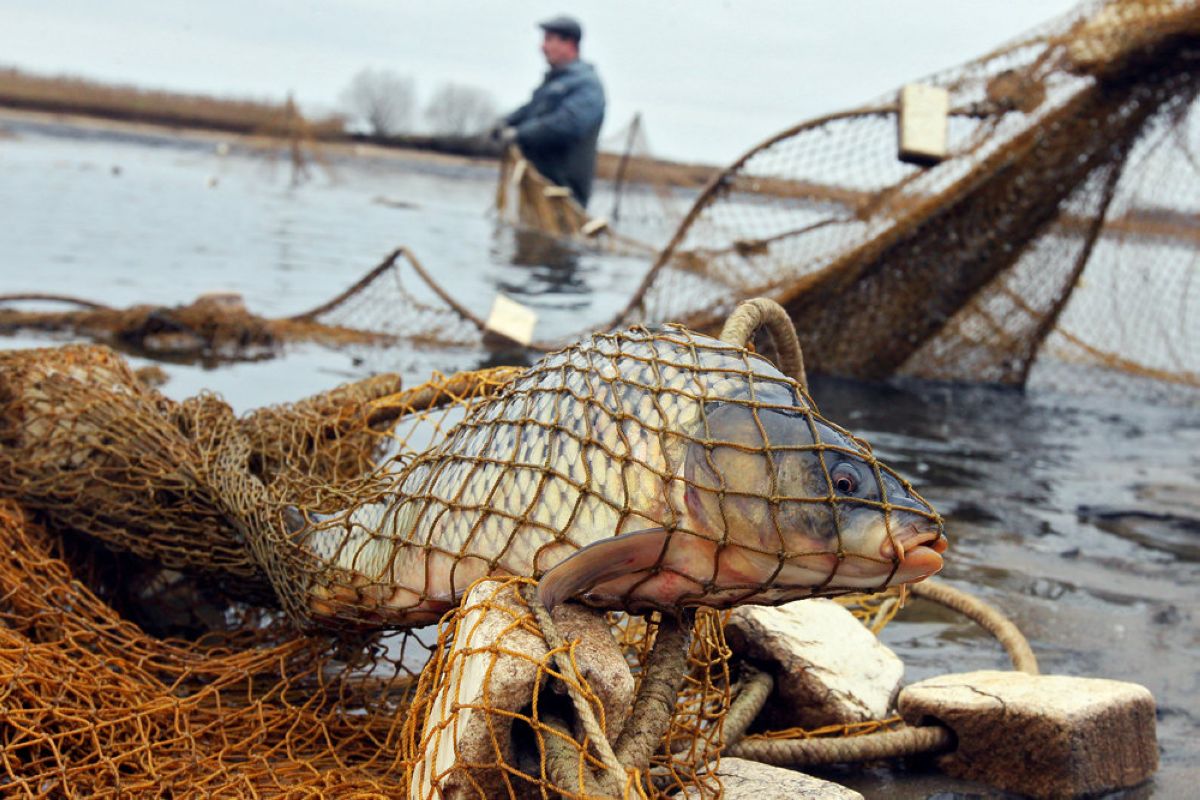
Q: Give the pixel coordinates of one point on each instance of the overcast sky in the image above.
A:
(711, 77)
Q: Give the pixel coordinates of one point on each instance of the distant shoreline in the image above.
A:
(87, 103)
(216, 137)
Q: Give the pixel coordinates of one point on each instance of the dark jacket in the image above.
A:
(558, 128)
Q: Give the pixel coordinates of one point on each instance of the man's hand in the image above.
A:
(502, 132)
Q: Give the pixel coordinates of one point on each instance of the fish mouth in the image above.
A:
(916, 550)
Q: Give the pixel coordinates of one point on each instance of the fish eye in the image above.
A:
(845, 478)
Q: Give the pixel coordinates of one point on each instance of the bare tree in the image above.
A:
(383, 99)
(460, 110)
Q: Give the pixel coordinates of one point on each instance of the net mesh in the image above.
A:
(230, 638)
(649, 196)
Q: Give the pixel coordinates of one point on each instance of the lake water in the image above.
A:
(1078, 516)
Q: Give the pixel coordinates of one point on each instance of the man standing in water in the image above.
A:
(558, 128)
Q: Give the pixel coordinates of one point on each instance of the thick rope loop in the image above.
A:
(906, 741)
(755, 687)
(662, 677)
(762, 312)
(987, 617)
(870, 747)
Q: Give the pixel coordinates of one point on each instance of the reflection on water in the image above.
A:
(552, 265)
(1077, 516)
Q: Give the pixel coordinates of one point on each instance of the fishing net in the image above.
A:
(213, 328)
(638, 199)
(214, 645)
(1054, 243)
(95, 706)
(527, 199)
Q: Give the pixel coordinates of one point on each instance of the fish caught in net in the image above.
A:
(638, 470)
(365, 513)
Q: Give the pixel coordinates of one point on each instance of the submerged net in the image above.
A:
(163, 662)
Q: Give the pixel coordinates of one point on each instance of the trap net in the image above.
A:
(1052, 241)
(212, 644)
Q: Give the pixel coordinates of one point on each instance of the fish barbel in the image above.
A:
(635, 470)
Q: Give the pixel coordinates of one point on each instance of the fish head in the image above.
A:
(799, 507)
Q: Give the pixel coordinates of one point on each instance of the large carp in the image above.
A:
(635, 470)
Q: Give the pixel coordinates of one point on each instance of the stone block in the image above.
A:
(742, 779)
(829, 669)
(470, 748)
(1040, 735)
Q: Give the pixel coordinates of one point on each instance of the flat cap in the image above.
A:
(564, 26)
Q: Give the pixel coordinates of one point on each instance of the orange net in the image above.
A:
(840, 731)
(96, 707)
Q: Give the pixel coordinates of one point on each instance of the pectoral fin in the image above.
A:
(602, 561)
(294, 520)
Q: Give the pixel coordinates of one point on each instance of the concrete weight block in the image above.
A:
(829, 669)
(1040, 735)
(742, 779)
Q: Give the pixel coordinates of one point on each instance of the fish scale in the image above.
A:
(633, 387)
